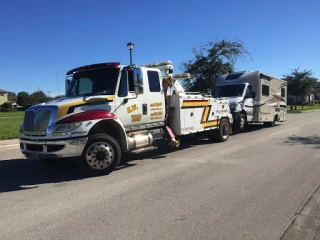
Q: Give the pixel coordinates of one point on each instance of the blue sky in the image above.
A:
(42, 39)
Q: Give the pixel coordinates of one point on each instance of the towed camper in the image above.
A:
(254, 97)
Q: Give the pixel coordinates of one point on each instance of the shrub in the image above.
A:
(6, 107)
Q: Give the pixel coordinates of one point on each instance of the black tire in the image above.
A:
(223, 132)
(53, 162)
(101, 155)
(270, 124)
(241, 123)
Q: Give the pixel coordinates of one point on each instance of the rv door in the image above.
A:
(265, 96)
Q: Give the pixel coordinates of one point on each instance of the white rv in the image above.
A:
(254, 97)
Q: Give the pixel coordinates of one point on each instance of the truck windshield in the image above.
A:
(235, 90)
(94, 82)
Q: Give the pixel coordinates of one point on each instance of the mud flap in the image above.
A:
(172, 140)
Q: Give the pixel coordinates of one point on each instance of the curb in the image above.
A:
(315, 110)
(286, 231)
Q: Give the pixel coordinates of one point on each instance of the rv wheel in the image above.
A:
(100, 156)
(241, 123)
(270, 124)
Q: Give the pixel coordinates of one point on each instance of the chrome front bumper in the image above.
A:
(50, 149)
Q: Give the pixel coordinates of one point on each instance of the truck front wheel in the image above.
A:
(100, 156)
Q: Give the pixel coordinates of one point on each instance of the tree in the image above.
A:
(38, 97)
(58, 96)
(12, 96)
(23, 99)
(211, 60)
(301, 84)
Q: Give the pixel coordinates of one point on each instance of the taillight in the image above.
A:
(88, 115)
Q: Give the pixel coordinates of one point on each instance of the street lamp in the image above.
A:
(130, 46)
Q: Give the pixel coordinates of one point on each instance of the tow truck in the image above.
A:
(110, 109)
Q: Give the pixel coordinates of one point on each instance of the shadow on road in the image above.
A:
(311, 140)
(23, 174)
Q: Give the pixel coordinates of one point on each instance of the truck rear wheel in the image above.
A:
(223, 131)
(100, 156)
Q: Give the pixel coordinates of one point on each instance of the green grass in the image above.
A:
(305, 108)
(9, 127)
(11, 114)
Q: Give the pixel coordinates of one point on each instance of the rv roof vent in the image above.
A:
(234, 76)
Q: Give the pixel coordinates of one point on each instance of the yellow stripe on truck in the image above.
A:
(63, 109)
(195, 104)
(205, 115)
(212, 123)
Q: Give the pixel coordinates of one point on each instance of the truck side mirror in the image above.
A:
(253, 94)
(67, 84)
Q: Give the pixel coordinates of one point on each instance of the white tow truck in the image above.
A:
(109, 109)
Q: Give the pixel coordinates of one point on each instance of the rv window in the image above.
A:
(154, 81)
(265, 90)
(283, 92)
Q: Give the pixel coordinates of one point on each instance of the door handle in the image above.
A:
(144, 109)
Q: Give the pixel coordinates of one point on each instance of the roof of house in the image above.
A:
(3, 91)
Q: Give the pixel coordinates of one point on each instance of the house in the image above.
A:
(3, 96)
(307, 99)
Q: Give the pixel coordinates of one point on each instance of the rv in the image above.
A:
(254, 97)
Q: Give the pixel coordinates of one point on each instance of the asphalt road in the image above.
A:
(246, 188)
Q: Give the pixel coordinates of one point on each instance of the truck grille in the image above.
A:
(36, 122)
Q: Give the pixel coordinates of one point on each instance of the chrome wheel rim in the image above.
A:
(225, 130)
(242, 121)
(100, 155)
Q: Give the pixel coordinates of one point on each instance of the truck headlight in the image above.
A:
(66, 127)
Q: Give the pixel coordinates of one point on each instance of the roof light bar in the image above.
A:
(93, 66)
(162, 66)
(181, 76)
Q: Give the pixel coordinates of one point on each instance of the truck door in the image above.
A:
(265, 97)
(154, 96)
(129, 106)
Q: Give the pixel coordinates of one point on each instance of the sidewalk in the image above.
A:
(306, 223)
(9, 144)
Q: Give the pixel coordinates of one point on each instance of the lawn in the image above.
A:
(11, 114)
(305, 108)
(10, 124)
